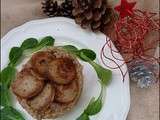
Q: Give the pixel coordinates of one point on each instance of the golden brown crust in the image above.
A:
(40, 62)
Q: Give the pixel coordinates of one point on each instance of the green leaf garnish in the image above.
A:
(83, 116)
(5, 96)
(9, 113)
(15, 54)
(29, 43)
(7, 75)
(46, 41)
(70, 48)
(88, 53)
(94, 106)
(103, 74)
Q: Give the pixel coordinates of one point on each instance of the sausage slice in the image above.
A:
(66, 93)
(27, 84)
(62, 71)
(44, 99)
(40, 61)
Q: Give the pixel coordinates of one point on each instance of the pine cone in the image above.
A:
(54, 8)
(93, 14)
(143, 71)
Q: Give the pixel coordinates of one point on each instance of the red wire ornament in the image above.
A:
(129, 38)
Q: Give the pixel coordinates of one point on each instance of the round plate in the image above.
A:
(65, 31)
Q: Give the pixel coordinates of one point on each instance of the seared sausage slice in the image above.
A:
(62, 71)
(27, 84)
(40, 61)
(44, 99)
(66, 93)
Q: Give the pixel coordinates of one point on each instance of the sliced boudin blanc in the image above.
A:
(26, 84)
(44, 99)
(62, 71)
(66, 93)
(40, 61)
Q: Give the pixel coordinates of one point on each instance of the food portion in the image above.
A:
(44, 99)
(66, 93)
(49, 84)
(27, 84)
(41, 61)
(62, 70)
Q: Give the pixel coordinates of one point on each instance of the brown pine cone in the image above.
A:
(54, 8)
(93, 14)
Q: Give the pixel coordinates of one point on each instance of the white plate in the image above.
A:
(65, 31)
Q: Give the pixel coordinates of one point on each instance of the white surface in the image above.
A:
(65, 31)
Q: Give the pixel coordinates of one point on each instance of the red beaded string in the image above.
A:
(129, 38)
